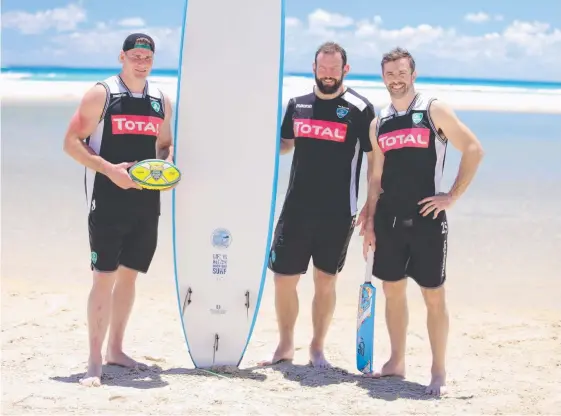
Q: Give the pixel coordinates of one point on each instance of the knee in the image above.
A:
(435, 299)
(127, 276)
(102, 287)
(324, 283)
(394, 290)
(285, 283)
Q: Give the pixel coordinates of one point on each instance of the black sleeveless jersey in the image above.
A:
(127, 132)
(414, 153)
(330, 138)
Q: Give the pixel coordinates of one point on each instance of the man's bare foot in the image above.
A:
(281, 354)
(437, 386)
(392, 368)
(121, 359)
(93, 375)
(318, 360)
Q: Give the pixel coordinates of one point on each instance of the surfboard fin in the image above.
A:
(187, 300)
(247, 302)
(216, 339)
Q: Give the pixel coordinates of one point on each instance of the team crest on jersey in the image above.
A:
(417, 118)
(156, 106)
(342, 112)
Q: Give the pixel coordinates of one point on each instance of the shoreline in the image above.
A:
(458, 97)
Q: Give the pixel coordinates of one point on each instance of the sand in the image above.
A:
(502, 359)
(504, 347)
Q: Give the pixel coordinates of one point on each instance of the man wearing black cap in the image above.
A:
(121, 120)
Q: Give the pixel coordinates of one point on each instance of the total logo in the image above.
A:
(320, 129)
(405, 138)
(129, 124)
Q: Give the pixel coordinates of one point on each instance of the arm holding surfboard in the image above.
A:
(83, 123)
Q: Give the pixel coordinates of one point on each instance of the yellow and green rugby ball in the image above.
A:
(155, 174)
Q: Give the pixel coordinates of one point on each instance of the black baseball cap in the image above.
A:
(139, 40)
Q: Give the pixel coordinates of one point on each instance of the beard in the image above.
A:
(398, 89)
(328, 88)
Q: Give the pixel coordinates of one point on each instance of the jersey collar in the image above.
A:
(129, 91)
(413, 102)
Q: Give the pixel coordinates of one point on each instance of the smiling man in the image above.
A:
(121, 120)
(407, 224)
(328, 129)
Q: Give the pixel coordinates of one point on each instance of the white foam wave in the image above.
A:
(461, 97)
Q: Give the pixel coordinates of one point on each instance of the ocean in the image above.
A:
(507, 222)
(91, 74)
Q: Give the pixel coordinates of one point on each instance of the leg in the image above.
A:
(99, 312)
(139, 247)
(286, 307)
(397, 319)
(437, 325)
(323, 307)
(121, 305)
(330, 245)
(390, 262)
(288, 259)
(428, 268)
(105, 242)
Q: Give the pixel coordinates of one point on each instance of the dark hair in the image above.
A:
(396, 54)
(331, 48)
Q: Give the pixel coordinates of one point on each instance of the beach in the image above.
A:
(504, 286)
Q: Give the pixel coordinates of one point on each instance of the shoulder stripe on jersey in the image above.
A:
(436, 134)
(156, 92)
(107, 98)
(354, 100)
(163, 101)
(377, 127)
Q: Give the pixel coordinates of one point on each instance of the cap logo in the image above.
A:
(142, 43)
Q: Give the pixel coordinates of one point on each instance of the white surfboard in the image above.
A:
(227, 140)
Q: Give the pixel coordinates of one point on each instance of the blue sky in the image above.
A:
(490, 39)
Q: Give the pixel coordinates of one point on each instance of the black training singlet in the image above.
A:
(414, 155)
(330, 138)
(127, 132)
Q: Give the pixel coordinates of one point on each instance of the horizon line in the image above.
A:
(287, 72)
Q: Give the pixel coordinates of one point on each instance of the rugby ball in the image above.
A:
(155, 174)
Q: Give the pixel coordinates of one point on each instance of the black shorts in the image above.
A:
(410, 246)
(299, 238)
(115, 241)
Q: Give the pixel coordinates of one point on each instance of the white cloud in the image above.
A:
(481, 17)
(323, 19)
(477, 17)
(132, 22)
(108, 43)
(520, 49)
(61, 18)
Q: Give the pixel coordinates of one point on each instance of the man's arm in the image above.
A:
(82, 124)
(287, 129)
(375, 180)
(164, 142)
(463, 139)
